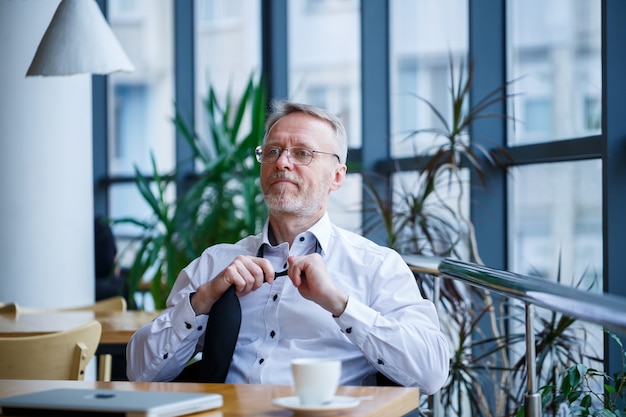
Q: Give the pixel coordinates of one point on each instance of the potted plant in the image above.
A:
(583, 391)
(221, 203)
(426, 217)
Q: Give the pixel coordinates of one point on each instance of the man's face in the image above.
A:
(301, 189)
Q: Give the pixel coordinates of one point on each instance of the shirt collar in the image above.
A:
(320, 230)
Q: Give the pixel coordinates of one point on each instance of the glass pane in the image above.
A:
(554, 58)
(423, 36)
(126, 201)
(556, 211)
(140, 102)
(324, 59)
(324, 70)
(555, 232)
(227, 50)
(430, 223)
(344, 205)
(140, 105)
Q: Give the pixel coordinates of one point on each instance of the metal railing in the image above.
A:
(604, 309)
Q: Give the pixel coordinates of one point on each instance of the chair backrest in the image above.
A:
(60, 355)
(10, 308)
(115, 304)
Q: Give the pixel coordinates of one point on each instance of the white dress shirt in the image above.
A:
(387, 326)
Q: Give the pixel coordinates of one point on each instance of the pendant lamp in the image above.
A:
(79, 41)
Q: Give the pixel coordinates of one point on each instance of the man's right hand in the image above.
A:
(246, 273)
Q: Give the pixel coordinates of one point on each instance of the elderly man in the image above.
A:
(306, 287)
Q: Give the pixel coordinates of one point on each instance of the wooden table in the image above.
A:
(244, 400)
(117, 328)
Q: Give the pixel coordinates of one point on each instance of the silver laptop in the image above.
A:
(108, 402)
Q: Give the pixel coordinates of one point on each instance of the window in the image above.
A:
(538, 120)
(227, 51)
(217, 12)
(556, 211)
(553, 51)
(557, 72)
(324, 70)
(140, 103)
(424, 35)
(555, 208)
(554, 54)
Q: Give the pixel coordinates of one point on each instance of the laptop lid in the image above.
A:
(109, 402)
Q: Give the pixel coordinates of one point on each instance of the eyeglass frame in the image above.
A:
(258, 152)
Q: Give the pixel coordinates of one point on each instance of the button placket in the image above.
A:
(302, 245)
(270, 320)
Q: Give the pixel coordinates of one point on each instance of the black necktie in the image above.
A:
(221, 335)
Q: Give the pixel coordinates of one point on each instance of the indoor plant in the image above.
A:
(221, 203)
(584, 391)
(427, 217)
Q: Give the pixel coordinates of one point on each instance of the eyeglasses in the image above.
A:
(298, 155)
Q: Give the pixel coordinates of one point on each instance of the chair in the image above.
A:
(60, 355)
(116, 304)
(10, 308)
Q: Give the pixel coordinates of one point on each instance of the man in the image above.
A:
(335, 294)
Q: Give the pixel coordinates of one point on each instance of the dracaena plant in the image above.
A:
(222, 202)
(425, 215)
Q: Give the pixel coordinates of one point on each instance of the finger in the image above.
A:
(235, 274)
(252, 276)
(265, 271)
(295, 274)
(255, 272)
(269, 274)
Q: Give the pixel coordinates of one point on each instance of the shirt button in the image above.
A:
(275, 297)
(301, 238)
(261, 361)
(199, 328)
(188, 325)
(380, 362)
(349, 330)
(166, 355)
(285, 265)
(272, 333)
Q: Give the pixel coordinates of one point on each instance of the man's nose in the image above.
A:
(283, 159)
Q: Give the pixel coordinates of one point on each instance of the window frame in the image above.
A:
(487, 50)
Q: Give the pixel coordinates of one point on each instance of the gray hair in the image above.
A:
(282, 108)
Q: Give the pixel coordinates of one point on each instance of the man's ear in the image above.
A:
(340, 176)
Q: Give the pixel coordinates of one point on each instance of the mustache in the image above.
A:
(283, 175)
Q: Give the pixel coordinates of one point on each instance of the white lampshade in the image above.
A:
(78, 41)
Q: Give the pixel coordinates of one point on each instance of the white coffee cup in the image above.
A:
(316, 380)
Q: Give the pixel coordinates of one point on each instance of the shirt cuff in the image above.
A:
(356, 321)
(184, 321)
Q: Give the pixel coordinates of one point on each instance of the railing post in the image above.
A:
(434, 401)
(532, 400)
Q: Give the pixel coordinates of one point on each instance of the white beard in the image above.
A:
(283, 199)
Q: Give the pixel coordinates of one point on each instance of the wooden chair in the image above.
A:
(10, 308)
(115, 304)
(60, 355)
